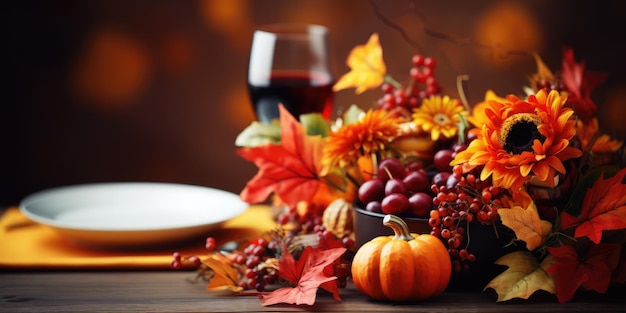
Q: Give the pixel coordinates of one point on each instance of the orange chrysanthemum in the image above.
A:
(522, 139)
(439, 116)
(369, 135)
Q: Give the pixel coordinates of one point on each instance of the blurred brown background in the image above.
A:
(99, 91)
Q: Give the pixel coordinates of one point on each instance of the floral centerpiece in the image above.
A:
(537, 165)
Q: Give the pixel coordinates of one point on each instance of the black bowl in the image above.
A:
(369, 225)
(487, 244)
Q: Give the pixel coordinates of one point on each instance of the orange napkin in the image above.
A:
(27, 245)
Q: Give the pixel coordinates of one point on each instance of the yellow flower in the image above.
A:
(439, 116)
(367, 67)
(521, 139)
(369, 135)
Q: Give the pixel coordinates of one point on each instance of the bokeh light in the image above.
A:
(111, 71)
(508, 27)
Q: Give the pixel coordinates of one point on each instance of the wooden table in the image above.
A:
(170, 291)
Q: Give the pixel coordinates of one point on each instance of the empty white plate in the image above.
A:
(132, 214)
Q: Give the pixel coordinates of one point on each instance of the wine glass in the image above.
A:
(289, 64)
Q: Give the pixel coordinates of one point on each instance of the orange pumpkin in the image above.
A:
(402, 267)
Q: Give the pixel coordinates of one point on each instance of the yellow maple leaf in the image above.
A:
(526, 224)
(367, 67)
(523, 277)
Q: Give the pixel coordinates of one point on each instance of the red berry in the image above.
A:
(430, 62)
(418, 60)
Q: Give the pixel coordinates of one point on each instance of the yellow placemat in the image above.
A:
(27, 245)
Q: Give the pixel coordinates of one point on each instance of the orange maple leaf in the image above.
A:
(604, 208)
(526, 224)
(307, 275)
(367, 67)
(289, 169)
(592, 272)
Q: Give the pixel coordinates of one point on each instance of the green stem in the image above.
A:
(392, 81)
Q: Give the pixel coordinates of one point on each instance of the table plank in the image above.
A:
(163, 291)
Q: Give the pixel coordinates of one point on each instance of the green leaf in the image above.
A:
(354, 114)
(315, 124)
(257, 134)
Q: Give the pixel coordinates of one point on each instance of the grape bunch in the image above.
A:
(398, 189)
(422, 84)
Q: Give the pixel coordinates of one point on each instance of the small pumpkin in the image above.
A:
(401, 267)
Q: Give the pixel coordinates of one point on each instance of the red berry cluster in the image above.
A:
(422, 84)
(258, 273)
(462, 198)
(254, 262)
(309, 223)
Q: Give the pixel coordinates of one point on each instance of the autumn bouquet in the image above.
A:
(536, 165)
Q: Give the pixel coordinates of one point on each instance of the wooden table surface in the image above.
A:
(171, 291)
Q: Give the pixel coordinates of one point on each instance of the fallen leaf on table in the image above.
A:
(523, 277)
(225, 276)
(307, 275)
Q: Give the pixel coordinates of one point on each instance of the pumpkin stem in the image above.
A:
(400, 229)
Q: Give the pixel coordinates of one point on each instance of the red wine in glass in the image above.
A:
(289, 65)
(300, 92)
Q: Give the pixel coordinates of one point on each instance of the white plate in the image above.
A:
(132, 214)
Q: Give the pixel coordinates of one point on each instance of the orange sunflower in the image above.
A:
(523, 139)
(369, 135)
(439, 116)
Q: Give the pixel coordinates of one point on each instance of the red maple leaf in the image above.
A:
(592, 272)
(307, 275)
(604, 208)
(579, 85)
(290, 169)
